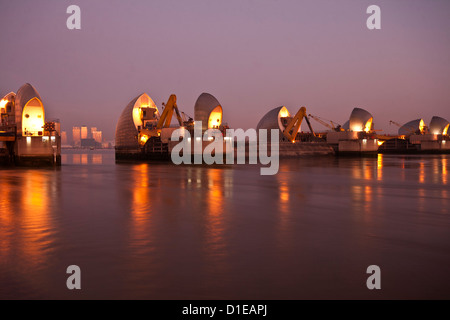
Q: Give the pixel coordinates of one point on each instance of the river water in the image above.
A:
(160, 231)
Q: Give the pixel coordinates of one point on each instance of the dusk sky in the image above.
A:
(251, 55)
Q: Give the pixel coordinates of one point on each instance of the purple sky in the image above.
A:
(251, 55)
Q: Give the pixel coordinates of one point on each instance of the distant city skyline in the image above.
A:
(80, 133)
(252, 56)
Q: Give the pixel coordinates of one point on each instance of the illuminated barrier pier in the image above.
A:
(144, 133)
(357, 137)
(417, 138)
(26, 138)
(292, 141)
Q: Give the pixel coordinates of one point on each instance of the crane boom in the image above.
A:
(322, 122)
(163, 122)
(396, 123)
(166, 116)
(331, 125)
(293, 126)
(309, 125)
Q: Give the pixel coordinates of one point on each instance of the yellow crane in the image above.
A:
(163, 122)
(292, 127)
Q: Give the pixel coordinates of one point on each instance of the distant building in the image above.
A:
(84, 132)
(85, 143)
(64, 138)
(97, 136)
(76, 134)
(82, 137)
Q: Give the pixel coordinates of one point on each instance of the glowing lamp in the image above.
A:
(143, 139)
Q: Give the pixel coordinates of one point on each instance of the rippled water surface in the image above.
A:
(159, 231)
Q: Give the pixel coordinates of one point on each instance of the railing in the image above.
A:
(8, 128)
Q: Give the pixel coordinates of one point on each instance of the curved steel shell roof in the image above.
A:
(270, 120)
(126, 132)
(346, 125)
(438, 125)
(359, 119)
(411, 127)
(203, 108)
(26, 93)
(9, 96)
(127, 126)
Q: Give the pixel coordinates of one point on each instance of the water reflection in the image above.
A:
(83, 158)
(285, 193)
(28, 226)
(422, 172)
(289, 197)
(215, 241)
(97, 159)
(197, 232)
(362, 198)
(142, 203)
(380, 167)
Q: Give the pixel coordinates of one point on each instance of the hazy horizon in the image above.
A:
(251, 55)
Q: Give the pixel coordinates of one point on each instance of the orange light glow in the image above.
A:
(3, 103)
(284, 193)
(444, 132)
(143, 139)
(421, 126)
(380, 167)
(215, 118)
(422, 173)
(37, 225)
(215, 219)
(33, 118)
(144, 101)
(368, 125)
(284, 113)
(444, 171)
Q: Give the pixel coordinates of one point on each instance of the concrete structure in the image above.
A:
(416, 138)
(357, 138)
(25, 135)
(435, 141)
